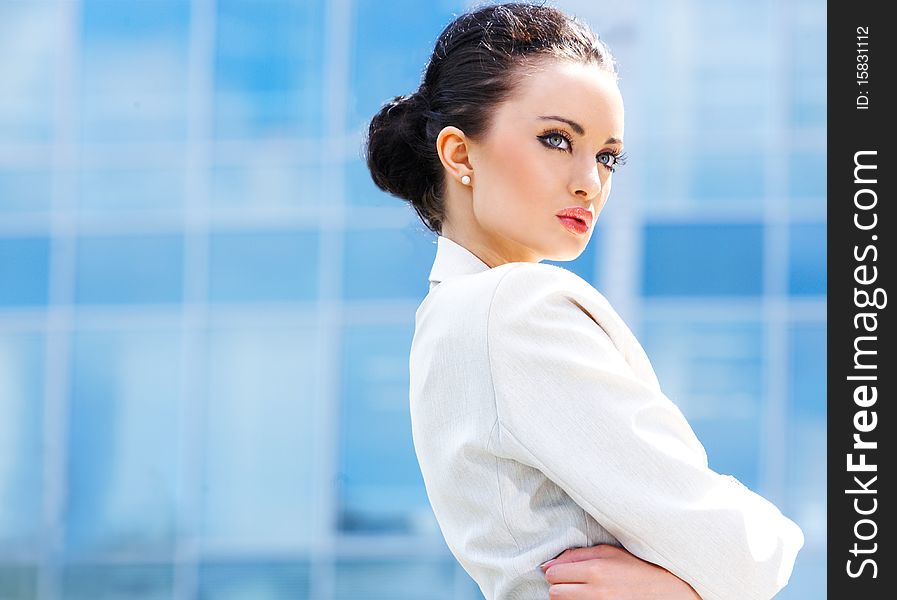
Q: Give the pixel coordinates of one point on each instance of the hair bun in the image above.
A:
(396, 147)
(417, 100)
(408, 102)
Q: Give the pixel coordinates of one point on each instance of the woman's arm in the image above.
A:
(606, 572)
(570, 405)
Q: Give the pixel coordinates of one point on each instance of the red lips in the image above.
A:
(577, 213)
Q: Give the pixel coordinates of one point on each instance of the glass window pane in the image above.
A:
(806, 178)
(261, 435)
(269, 68)
(735, 177)
(254, 581)
(262, 186)
(807, 102)
(21, 440)
(18, 582)
(703, 260)
(677, 178)
(408, 578)
(381, 489)
(25, 191)
(387, 263)
(133, 82)
(24, 270)
(714, 373)
(807, 36)
(729, 116)
(806, 442)
(116, 582)
(106, 191)
(384, 66)
(29, 32)
(732, 99)
(122, 269)
(664, 177)
(807, 259)
(806, 474)
(263, 266)
(736, 22)
(123, 443)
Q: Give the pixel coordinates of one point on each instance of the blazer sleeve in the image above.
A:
(570, 405)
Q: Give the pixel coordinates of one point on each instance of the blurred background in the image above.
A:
(206, 306)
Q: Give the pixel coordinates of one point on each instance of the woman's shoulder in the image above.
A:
(544, 273)
(526, 283)
(539, 300)
(510, 291)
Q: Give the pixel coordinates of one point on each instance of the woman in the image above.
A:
(538, 422)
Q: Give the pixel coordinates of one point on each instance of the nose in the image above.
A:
(587, 182)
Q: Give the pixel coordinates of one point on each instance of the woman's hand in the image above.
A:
(606, 572)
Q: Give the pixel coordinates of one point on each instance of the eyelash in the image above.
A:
(619, 157)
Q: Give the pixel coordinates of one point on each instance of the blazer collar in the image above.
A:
(453, 259)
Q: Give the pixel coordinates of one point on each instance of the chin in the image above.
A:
(568, 257)
(569, 251)
(572, 246)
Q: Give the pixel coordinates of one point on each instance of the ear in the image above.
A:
(453, 148)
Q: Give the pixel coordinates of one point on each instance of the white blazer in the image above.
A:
(539, 425)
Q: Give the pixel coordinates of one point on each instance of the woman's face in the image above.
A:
(551, 147)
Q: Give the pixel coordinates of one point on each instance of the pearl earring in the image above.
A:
(466, 180)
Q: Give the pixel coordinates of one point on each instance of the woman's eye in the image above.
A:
(618, 159)
(556, 140)
(560, 139)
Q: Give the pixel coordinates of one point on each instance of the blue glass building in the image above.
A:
(204, 334)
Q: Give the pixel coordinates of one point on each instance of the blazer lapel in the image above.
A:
(453, 259)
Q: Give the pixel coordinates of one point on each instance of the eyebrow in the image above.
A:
(578, 128)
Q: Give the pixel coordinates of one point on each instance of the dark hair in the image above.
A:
(478, 60)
